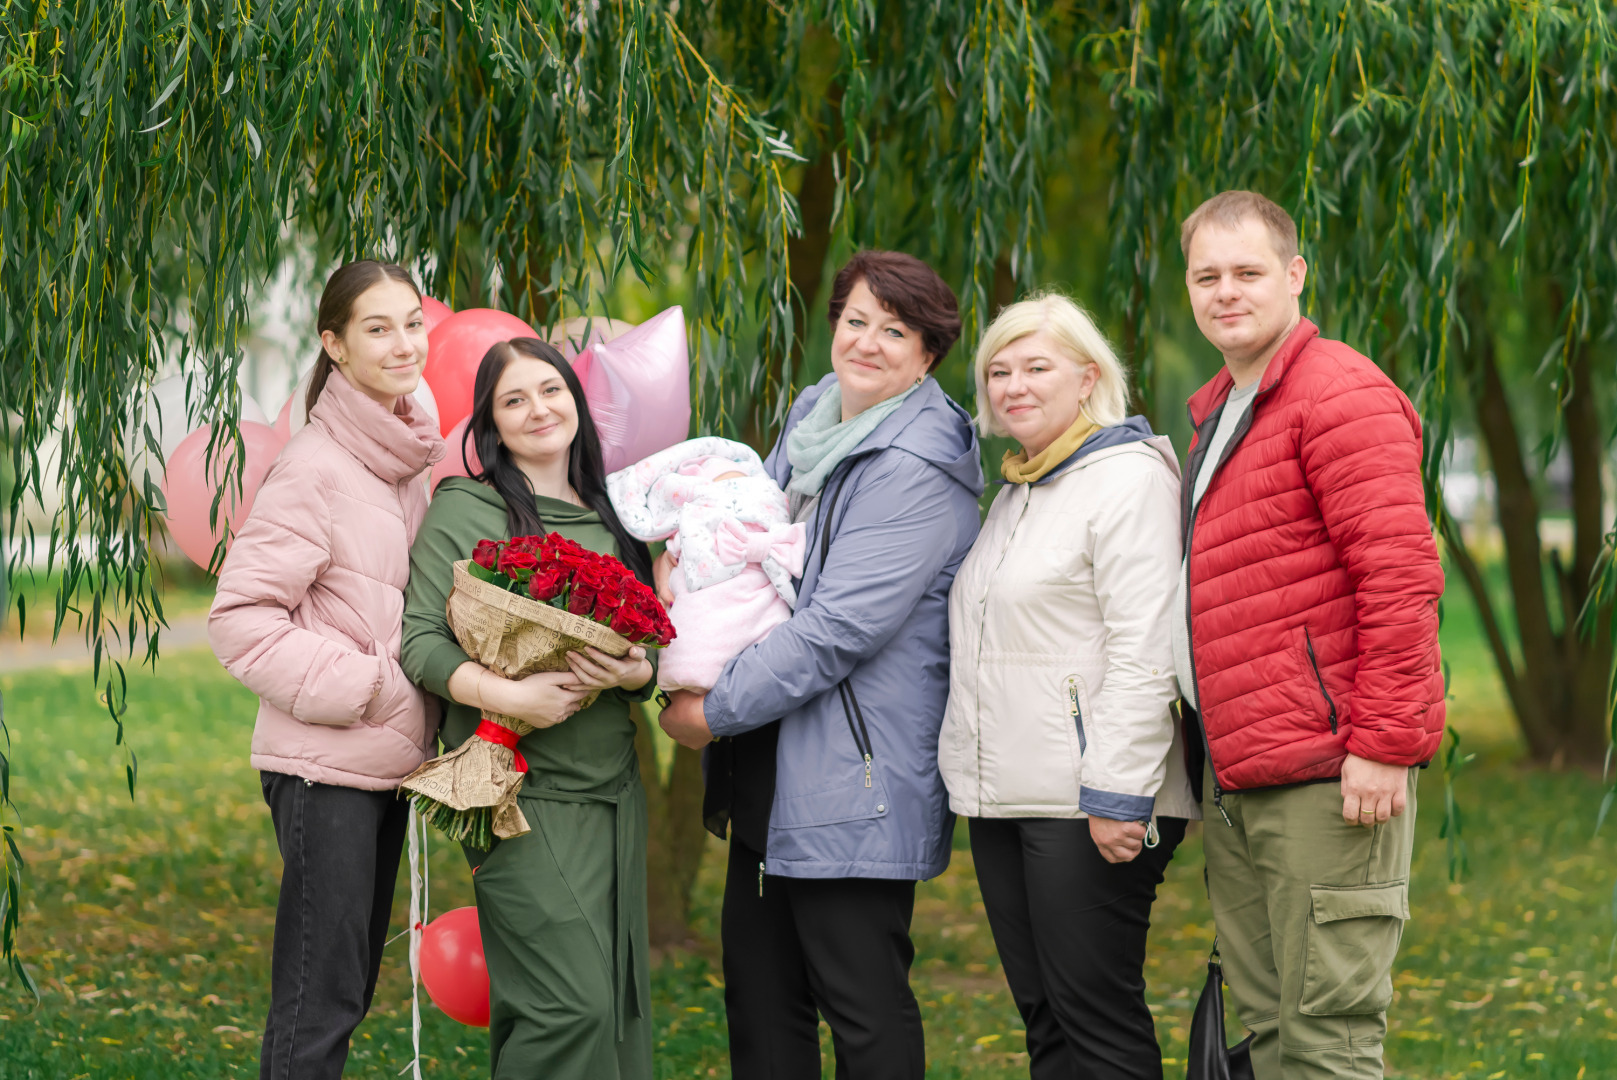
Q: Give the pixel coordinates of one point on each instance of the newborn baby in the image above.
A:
(728, 526)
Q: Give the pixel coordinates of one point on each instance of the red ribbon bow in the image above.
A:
(489, 731)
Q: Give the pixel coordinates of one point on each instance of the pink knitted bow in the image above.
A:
(736, 543)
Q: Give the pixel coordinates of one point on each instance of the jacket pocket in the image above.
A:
(1319, 678)
(1352, 939)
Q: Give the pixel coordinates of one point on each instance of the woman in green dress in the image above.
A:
(562, 908)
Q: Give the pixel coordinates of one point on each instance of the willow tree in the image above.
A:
(1446, 159)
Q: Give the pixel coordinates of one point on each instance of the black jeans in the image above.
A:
(1070, 928)
(340, 854)
(837, 946)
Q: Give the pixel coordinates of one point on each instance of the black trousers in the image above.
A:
(839, 947)
(1070, 928)
(340, 854)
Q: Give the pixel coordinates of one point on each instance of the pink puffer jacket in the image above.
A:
(311, 597)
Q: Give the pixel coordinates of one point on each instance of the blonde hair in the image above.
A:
(1228, 209)
(1081, 342)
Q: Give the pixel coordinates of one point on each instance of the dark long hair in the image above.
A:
(343, 287)
(585, 470)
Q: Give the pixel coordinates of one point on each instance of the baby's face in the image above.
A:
(729, 476)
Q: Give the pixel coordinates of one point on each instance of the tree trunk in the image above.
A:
(1558, 693)
(674, 837)
(1588, 659)
(806, 253)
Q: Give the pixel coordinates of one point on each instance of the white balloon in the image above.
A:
(293, 407)
(251, 411)
(162, 409)
(423, 398)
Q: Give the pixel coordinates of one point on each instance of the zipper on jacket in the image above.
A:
(1077, 712)
(760, 880)
(1192, 507)
(982, 621)
(850, 709)
(1313, 662)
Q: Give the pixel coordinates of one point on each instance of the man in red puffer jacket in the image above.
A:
(1307, 654)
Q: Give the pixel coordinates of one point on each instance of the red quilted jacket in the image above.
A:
(1314, 579)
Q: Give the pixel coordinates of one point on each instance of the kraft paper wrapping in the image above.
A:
(513, 636)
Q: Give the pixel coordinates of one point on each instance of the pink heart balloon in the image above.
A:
(638, 386)
(189, 487)
(454, 349)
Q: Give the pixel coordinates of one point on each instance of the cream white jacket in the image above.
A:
(1061, 659)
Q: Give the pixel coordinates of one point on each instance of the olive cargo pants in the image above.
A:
(1309, 912)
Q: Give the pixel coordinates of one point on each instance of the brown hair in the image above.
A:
(1229, 208)
(345, 285)
(908, 288)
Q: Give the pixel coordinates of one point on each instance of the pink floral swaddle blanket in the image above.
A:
(728, 524)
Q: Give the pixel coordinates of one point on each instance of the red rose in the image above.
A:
(558, 547)
(516, 565)
(632, 624)
(609, 598)
(587, 582)
(529, 544)
(487, 553)
(547, 584)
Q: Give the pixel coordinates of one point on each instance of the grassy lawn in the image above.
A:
(148, 922)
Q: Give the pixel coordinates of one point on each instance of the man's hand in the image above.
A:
(684, 720)
(1119, 841)
(1372, 793)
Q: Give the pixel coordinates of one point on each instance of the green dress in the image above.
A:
(562, 908)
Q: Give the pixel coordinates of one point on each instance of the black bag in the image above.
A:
(1210, 1058)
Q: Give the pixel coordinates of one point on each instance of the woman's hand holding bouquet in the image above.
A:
(554, 624)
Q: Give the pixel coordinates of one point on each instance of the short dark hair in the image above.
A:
(908, 288)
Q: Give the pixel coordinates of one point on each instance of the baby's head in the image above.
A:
(731, 475)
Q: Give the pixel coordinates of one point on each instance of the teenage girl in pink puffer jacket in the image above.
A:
(307, 616)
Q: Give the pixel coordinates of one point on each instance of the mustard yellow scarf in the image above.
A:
(1018, 468)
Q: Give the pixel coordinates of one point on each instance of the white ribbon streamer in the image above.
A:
(419, 898)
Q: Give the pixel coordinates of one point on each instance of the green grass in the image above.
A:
(148, 922)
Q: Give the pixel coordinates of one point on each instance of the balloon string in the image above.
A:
(418, 904)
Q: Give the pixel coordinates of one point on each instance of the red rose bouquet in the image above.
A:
(553, 570)
(519, 606)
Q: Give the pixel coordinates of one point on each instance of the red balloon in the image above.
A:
(454, 349)
(452, 966)
(434, 312)
(452, 464)
(189, 488)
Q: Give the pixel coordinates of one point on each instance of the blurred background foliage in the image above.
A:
(1449, 163)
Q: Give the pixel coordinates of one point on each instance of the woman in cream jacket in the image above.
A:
(1058, 744)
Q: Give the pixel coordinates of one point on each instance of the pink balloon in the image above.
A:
(638, 386)
(434, 312)
(452, 463)
(454, 349)
(189, 487)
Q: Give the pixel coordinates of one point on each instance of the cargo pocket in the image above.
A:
(1352, 939)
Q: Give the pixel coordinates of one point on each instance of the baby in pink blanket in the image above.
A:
(728, 524)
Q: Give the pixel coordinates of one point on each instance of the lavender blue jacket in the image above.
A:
(904, 515)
